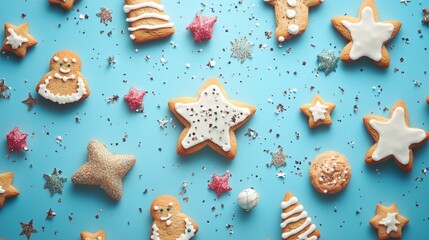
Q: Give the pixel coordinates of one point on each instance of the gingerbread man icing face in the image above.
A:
(169, 222)
(64, 83)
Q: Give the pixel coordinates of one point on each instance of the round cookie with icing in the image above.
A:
(295, 223)
(291, 17)
(64, 83)
(367, 36)
(148, 20)
(210, 119)
(394, 138)
(168, 222)
(318, 112)
(330, 172)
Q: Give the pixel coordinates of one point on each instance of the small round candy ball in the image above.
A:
(248, 199)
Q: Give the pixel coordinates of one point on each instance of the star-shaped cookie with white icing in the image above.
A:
(100, 235)
(210, 119)
(66, 4)
(394, 137)
(7, 190)
(318, 112)
(104, 169)
(18, 39)
(388, 222)
(367, 36)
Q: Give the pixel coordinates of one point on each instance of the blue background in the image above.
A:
(271, 73)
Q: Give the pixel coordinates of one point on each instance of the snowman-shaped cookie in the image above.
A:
(64, 83)
(169, 223)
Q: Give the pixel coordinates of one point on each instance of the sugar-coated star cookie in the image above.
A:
(388, 222)
(18, 39)
(291, 16)
(64, 83)
(66, 4)
(394, 137)
(7, 190)
(210, 119)
(104, 169)
(296, 224)
(100, 235)
(367, 36)
(318, 112)
(169, 223)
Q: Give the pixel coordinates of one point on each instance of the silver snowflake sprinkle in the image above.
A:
(54, 182)
(327, 61)
(242, 49)
(278, 158)
(105, 15)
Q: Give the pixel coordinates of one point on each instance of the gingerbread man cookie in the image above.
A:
(66, 4)
(366, 35)
(100, 235)
(18, 39)
(169, 223)
(291, 17)
(148, 20)
(64, 83)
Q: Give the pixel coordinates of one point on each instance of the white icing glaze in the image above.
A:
(148, 15)
(291, 3)
(87, 238)
(210, 118)
(65, 59)
(165, 218)
(318, 111)
(281, 39)
(390, 222)
(64, 70)
(64, 78)
(15, 40)
(74, 60)
(99, 238)
(132, 37)
(395, 137)
(290, 13)
(368, 36)
(156, 208)
(2, 190)
(155, 233)
(128, 8)
(168, 222)
(151, 27)
(62, 99)
(189, 231)
(288, 219)
(56, 59)
(170, 204)
(293, 29)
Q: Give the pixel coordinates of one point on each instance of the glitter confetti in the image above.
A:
(278, 158)
(50, 214)
(105, 15)
(54, 182)
(405, 1)
(111, 60)
(3, 89)
(135, 98)
(30, 102)
(327, 61)
(424, 20)
(16, 140)
(220, 183)
(242, 49)
(27, 229)
(104, 169)
(202, 27)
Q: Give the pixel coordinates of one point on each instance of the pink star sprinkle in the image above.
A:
(202, 27)
(16, 140)
(135, 98)
(220, 183)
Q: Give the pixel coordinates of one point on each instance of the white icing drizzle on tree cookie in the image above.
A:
(286, 216)
(368, 36)
(395, 137)
(62, 99)
(15, 40)
(211, 118)
(390, 222)
(318, 111)
(2, 191)
(188, 233)
(147, 15)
